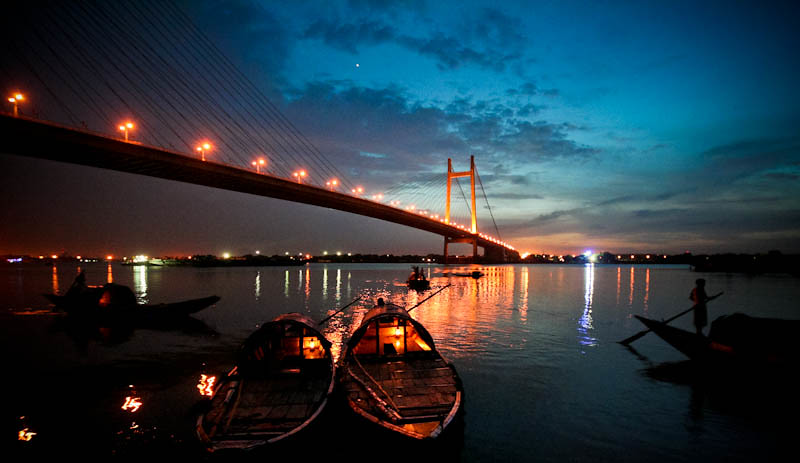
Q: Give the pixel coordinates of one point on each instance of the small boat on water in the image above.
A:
(736, 338)
(282, 381)
(473, 274)
(392, 375)
(417, 280)
(118, 301)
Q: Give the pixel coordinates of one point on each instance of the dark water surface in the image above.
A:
(536, 348)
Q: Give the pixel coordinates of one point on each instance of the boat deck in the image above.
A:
(266, 406)
(413, 393)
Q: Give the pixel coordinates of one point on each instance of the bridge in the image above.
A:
(27, 137)
(97, 69)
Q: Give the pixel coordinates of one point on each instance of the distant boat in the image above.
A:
(474, 274)
(281, 384)
(117, 301)
(417, 280)
(736, 339)
(393, 376)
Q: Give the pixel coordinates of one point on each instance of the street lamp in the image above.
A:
(299, 175)
(357, 190)
(202, 150)
(125, 127)
(332, 184)
(15, 99)
(258, 163)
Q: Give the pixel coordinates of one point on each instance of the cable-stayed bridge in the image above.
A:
(134, 86)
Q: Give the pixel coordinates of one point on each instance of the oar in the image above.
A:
(638, 335)
(420, 302)
(340, 310)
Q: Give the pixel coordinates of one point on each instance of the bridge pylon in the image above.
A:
(473, 212)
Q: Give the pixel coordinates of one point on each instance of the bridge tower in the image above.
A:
(474, 225)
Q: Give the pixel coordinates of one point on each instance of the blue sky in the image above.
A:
(622, 126)
(633, 125)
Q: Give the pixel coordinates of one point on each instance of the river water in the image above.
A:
(535, 346)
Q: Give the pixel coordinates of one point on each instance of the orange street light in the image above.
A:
(258, 163)
(202, 150)
(15, 99)
(332, 184)
(299, 175)
(357, 190)
(125, 127)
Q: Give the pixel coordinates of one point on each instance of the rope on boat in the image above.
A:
(391, 408)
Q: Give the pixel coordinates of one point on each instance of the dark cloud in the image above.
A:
(491, 40)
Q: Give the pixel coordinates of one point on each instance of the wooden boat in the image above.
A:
(736, 338)
(417, 280)
(283, 379)
(392, 375)
(119, 301)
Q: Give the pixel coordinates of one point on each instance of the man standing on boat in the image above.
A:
(699, 297)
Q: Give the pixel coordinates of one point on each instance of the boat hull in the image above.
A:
(392, 376)
(282, 383)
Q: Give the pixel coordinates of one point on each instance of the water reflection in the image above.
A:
(132, 401)
(585, 321)
(109, 274)
(55, 280)
(258, 285)
(647, 289)
(630, 299)
(140, 283)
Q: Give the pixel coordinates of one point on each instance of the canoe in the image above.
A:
(392, 375)
(736, 338)
(283, 379)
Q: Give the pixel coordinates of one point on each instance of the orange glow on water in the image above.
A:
(132, 404)
(25, 435)
(206, 385)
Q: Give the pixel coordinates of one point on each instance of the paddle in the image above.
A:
(420, 302)
(340, 310)
(638, 335)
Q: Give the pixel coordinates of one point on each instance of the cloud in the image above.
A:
(489, 40)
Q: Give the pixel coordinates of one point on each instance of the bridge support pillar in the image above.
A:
(472, 241)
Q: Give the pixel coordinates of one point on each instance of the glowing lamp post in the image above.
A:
(357, 190)
(299, 175)
(15, 99)
(124, 128)
(258, 164)
(332, 184)
(202, 150)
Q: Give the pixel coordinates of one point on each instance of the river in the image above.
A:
(535, 346)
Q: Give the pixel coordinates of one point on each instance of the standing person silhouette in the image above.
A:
(699, 297)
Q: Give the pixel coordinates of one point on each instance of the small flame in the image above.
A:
(206, 385)
(132, 404)
(26, 435)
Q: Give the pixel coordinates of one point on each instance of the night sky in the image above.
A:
(614, 126)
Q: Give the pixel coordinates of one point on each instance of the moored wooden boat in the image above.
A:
(392, 375)
(282, 382)
(735, 338)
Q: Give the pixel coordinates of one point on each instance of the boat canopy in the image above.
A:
(390, 331)
(288, 343)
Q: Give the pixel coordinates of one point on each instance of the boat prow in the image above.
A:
(281, 384)
(689, 344)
